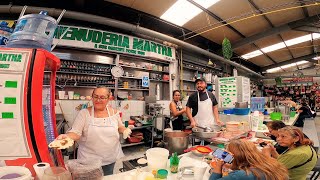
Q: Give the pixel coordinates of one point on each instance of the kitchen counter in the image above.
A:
(187, 160)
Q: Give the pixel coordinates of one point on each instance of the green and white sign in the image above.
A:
(88, 38)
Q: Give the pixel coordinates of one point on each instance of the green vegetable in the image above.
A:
(226, 48)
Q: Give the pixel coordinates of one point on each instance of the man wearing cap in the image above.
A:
(204, 106)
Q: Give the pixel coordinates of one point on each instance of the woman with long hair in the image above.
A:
(249, 164)
(299, 158)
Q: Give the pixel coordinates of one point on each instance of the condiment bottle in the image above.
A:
(174, 163)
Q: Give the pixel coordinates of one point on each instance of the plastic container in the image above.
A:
(241, 111)
(56, 173)
(228, 111)
(157, 158)
(276, 116)
(33, 31)
(5, 32)
(88, 170)
(15, 173)
(257, 104)
(162, 174)
(292, 113)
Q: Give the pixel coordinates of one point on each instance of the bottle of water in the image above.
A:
(5, 32)
(33, 31)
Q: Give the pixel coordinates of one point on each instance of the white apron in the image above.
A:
(204, 116)
(102, 141)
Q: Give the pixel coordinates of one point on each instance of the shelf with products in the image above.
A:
(143, 69)
(85, 67)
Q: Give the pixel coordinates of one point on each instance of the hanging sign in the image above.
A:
(88, 38)
(297, 80)
(145, 81)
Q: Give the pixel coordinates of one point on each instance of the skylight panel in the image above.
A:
(273, 47)
(252, 54)
(183, 11)
(273, 70)
(281, 45)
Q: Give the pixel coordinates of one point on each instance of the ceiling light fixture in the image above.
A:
(183, 11)
(277, 69)
(281, 45)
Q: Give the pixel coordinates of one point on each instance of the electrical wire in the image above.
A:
(252, 16)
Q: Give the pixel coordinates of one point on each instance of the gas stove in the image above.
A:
(131, 164)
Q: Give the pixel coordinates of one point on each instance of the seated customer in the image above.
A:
(304, 112)
(273, 127)
(249, 163)
(300, 157)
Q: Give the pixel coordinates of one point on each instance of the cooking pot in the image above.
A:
(241, 105)
(200, 132)
(176, 141)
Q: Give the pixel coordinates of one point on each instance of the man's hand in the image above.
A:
(219, 123)
(193, 124)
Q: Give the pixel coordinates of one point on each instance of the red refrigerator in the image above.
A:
(27, 114)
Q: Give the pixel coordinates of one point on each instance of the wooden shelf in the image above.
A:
(159, 80)
(133, 89)
(144, 69)
(125, 77)
(66, 72)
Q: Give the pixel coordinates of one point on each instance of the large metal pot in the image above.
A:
(176, 141)
(241, 105)
(200, 132)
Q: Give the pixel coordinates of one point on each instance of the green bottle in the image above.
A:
(174, 163)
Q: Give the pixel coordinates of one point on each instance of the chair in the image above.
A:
(316, 171)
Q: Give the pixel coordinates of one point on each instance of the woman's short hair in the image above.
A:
(296, 132)
(102, 87)
(175, 92)
(276, 125)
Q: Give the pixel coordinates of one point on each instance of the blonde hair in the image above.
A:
(247, 157)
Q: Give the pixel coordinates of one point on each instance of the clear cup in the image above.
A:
(70, 94)
(199, 169)
(56, 173)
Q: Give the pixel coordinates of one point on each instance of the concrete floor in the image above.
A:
(139, 151)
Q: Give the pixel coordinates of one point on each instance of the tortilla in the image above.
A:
(62, 143)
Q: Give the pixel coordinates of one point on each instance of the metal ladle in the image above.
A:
(206, 129)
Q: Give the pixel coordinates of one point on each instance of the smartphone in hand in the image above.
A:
(224, 155)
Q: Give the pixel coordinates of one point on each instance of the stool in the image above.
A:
(316, 171)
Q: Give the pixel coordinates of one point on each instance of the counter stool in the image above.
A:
(316, 171)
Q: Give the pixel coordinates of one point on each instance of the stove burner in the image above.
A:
(132, 164)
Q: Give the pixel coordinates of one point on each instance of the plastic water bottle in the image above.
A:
(255, 120)
(33, 31)
(5, 32)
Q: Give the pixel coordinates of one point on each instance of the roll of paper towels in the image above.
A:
(39, 169)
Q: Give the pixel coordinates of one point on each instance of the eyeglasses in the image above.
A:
(102, 98)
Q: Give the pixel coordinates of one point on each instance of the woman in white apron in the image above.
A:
(97, 131)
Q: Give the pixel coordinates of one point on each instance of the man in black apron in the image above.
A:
(204, 107)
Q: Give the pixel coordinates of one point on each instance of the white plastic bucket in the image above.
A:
(157, 158)
(24, 172)
(61, 94)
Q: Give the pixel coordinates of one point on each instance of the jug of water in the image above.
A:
(33, 31)
(5, 32)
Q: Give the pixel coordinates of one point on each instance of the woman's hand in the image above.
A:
(217, 166)
(270, 150)
(62, 136)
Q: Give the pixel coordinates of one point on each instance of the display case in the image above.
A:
(28, 123)
(232, 89)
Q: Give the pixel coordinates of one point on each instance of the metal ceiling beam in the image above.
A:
(228, 25)
(276, 30)
(306, 58)
(310, 29)
(304, 9)
(270, 23)
(9, 9)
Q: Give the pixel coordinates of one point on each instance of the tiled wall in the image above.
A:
(134, 108)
